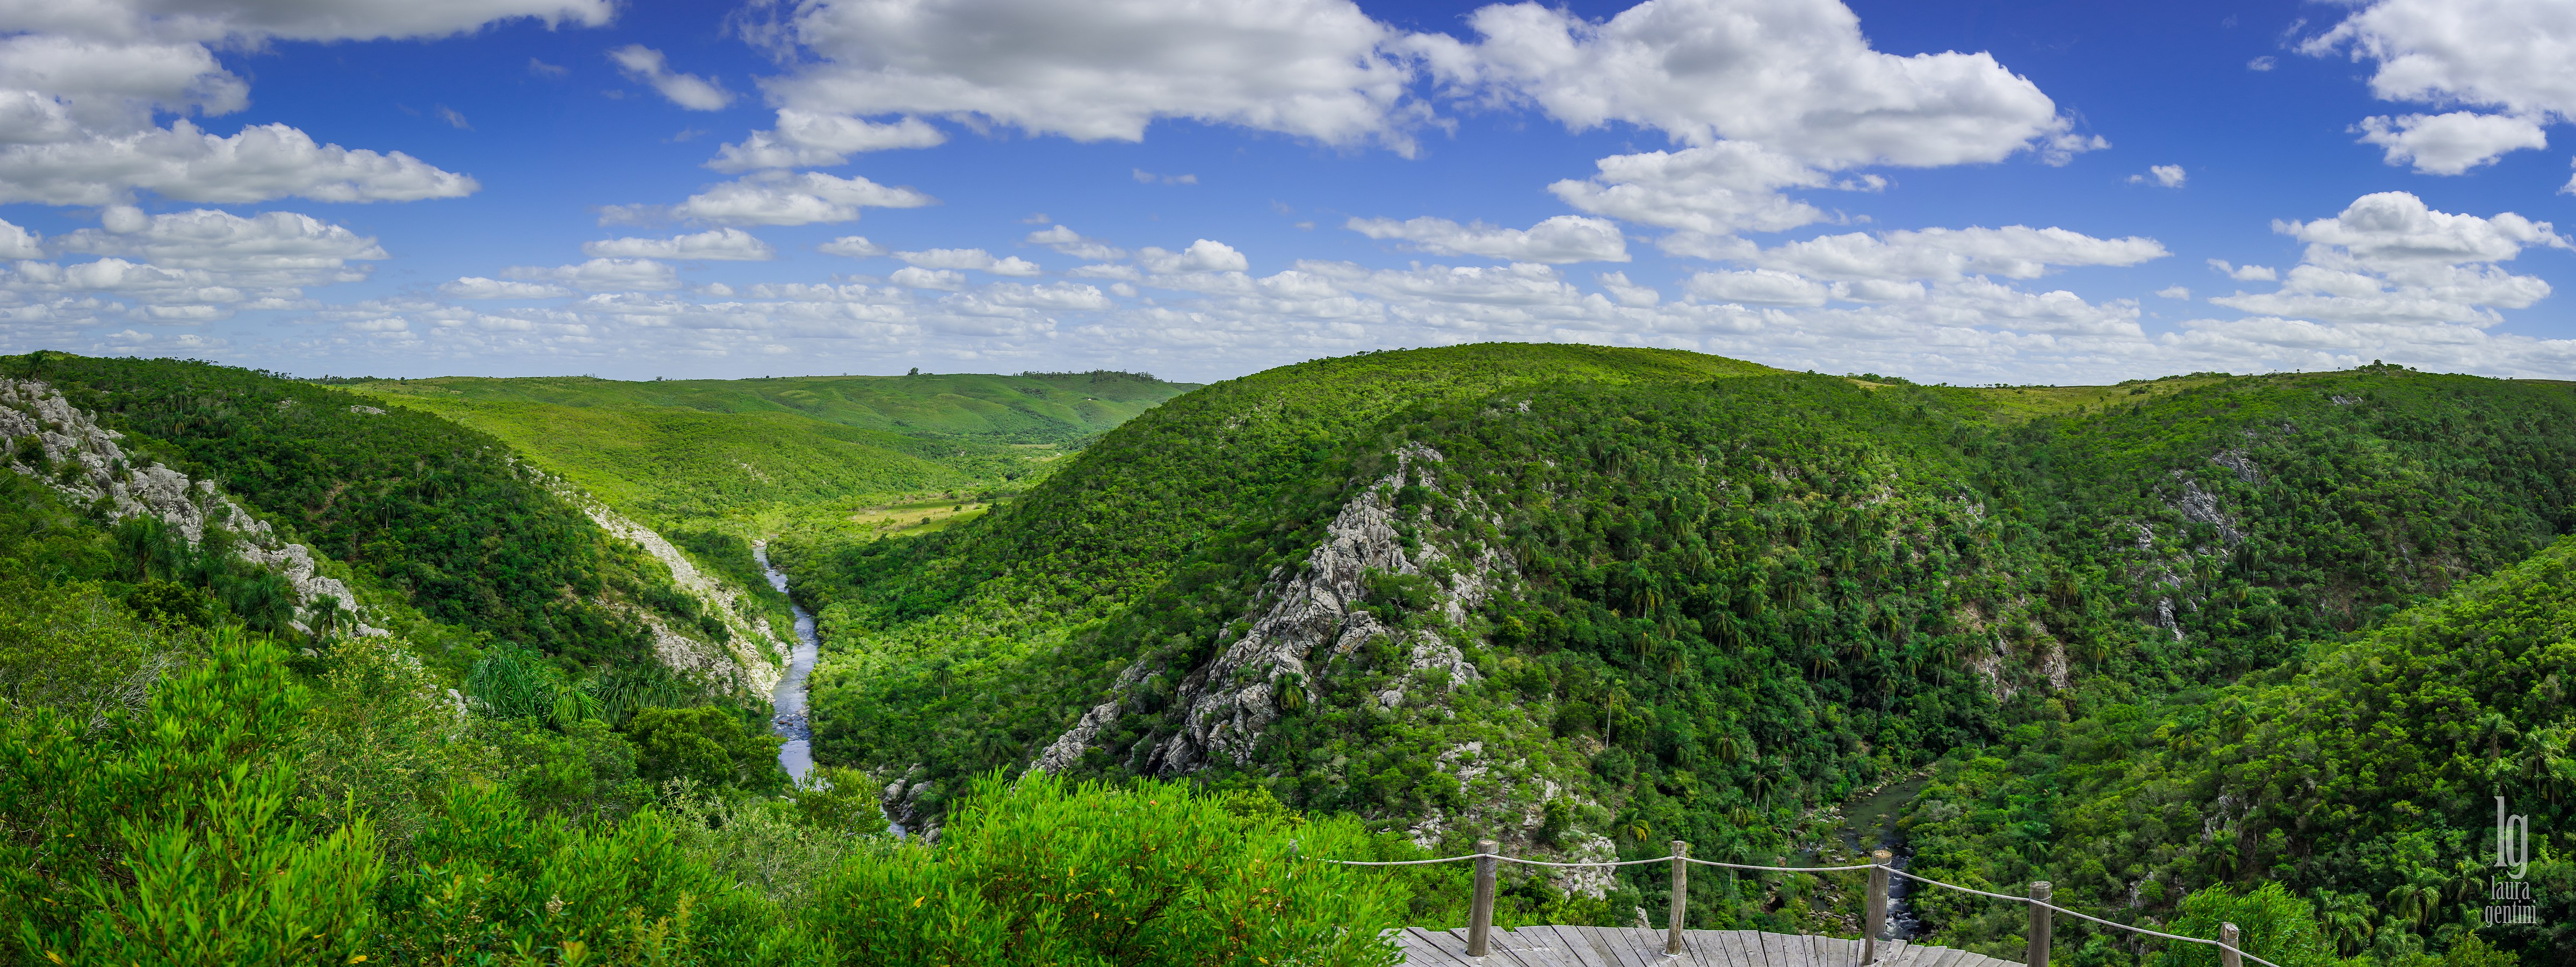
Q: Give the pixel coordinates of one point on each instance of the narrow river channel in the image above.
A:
(1871, 824)
(787, 704)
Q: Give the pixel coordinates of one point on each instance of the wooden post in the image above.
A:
(1875, 921)
(1480, 915)
(2040, 926)
(2227, 956)
(1681, 899)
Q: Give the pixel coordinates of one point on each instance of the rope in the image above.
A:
(2082, 916)
(1821, 869)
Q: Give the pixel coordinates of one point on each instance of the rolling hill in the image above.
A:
(1584, 600)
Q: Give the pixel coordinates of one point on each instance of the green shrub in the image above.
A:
(707, 745)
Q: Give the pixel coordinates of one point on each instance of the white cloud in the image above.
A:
(2453, 143)
(1714, 189)
(1628, 293)
(647, 66)
(2169, 176)
(259, 163)
(2174, 292)
(453, 119)
(1795, 76)
(602, 274)
(970, 258)
(778, 198)
(299, 246)
(717, 245)
(2505, 55)
(2499, 53)
(1124, 273)
(804, 139)
(2263, 63)
(916, 277)
(81, 84)
(1204, 255)
(2244, 273)
(1758, 287)
(1072, 243)
(1144, 177)
(2013, 251)
(1564, 238)
(1103, 69)
(854, 246)
(540, 68)
(2388, 259)
(20, 243)
(477, 287)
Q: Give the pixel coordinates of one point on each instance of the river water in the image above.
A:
(1871, 824)
(787, 705)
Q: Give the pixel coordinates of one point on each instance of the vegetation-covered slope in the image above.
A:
(1028, 408)
(436, 514)
(1589, 599)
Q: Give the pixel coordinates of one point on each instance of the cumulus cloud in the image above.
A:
(2244, 273)
(299, 246)
(803, 139)
(970, 258)
(1758, 287)
(717, 245)
(1204, 255)
(647, 66)
(2389, 259)
(2013, 251)
(778, 198)
(20, 243)
(1795, 76)
(82, 83)
(2504, 55)
(1564, 238)
(854, 246)
(477, 287)
(2173, 292)
(1070, 242)
(2169, 176)
(1144, 177)
(2453, 143)
(1103, 69)
(602, 274)
(914, 276)
(259, 163)
(1715, 189)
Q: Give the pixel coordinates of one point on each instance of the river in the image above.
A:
(1870, 824)
(787, 705)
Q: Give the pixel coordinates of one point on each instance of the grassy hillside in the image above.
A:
(1600, 598)
(769, 454)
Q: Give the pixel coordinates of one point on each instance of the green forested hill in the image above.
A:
(785, 453)
(1590, 599)
(436, 514)
(1028, 408)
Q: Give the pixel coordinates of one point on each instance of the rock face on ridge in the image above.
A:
(81, 461)
(753, 660)
(1229, 700)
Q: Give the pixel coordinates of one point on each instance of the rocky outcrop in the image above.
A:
(1229, 701)
(754, 659)
(82, 461)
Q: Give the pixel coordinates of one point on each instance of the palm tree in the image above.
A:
(2345, 919)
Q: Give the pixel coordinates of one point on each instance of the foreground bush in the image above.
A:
(1043, 871)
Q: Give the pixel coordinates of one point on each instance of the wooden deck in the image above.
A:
(1632, 947)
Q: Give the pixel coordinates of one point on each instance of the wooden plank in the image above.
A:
(1577, 950)
(1528, 947)
(1786, 950)
(1610, 945)
(1424, 946)
(1748, 947)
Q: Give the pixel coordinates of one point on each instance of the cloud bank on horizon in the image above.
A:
(1240, 183)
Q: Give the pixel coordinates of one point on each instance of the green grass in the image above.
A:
(762, 455)
(1041, 408)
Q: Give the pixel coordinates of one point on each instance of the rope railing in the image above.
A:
(1480, 918)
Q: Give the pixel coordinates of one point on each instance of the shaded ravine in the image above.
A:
(1870, 823)
(787, 703)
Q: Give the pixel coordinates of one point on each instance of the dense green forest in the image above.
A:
(1592, 599)
(179, 787)
(440, 515)
(2206, 648)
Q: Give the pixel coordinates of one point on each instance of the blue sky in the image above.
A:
(1968, 192)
